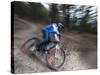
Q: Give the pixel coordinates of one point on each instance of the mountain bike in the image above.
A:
(55, 54)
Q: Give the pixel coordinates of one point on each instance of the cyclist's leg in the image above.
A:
(54, 38)
(44, 41)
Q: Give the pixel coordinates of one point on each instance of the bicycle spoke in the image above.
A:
(57, 57)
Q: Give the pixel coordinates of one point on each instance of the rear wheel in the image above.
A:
(55, 58)
(30, 45)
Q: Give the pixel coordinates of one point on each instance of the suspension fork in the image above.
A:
(57, 48)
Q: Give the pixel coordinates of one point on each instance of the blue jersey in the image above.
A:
(51, 28)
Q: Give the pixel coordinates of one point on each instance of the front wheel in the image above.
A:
(55, 58)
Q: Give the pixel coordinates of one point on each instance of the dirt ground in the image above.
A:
(81, 49)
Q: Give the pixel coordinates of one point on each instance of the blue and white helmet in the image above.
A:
(60, 25)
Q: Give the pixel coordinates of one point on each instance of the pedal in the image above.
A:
(50, 46)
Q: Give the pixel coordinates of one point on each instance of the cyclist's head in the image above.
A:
(60, 25)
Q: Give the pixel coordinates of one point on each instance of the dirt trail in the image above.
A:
(81, 49)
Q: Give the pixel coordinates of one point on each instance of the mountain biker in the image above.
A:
(50, 34)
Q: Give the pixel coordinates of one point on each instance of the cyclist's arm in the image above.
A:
(57, 38)
(55, 28)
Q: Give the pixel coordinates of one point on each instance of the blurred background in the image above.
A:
(81, 18)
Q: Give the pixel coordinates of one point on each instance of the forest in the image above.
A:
(81, 18)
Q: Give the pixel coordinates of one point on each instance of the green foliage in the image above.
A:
(66, 15)
(34, 11)
(54, 15)
(73, 16)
